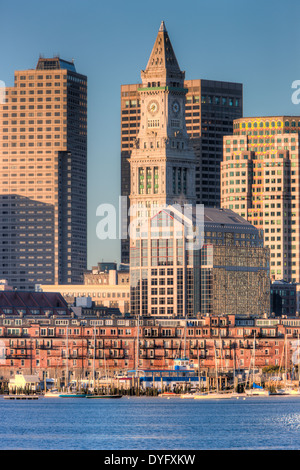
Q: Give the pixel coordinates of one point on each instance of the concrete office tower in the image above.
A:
(260, 182)
(43, 191)
(210, 108)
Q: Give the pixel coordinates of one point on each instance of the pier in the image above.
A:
(21, 397)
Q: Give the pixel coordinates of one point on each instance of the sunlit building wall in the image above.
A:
(260, 182)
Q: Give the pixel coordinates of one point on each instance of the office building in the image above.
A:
(164, 268)
(228, 275)
(284, 299)
(234, 266)
(260, 182)
(43, 168)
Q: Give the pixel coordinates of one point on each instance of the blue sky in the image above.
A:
(251, 42)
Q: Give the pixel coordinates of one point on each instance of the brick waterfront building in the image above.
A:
(48, 339)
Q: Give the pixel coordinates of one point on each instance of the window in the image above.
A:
(153, 122)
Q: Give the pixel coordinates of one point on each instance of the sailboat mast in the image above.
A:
(233, 368)
(137, 346)
(184, 345)
(216, 369)
(285, 351)
(298, 357)
(94, 357)
(67, 369)
(253, 357)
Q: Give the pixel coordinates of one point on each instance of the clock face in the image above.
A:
(175, 107)
(153, 107)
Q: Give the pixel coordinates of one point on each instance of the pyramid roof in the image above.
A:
(162, 60)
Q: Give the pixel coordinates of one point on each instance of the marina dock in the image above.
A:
(20, 397)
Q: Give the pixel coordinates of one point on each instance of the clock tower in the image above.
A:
(162, 166)
(162, 162)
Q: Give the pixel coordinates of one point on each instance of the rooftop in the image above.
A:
(225, 217)
(16, 302)
(55, 63)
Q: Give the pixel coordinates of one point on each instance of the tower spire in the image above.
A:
(162, 26)
(162, 65)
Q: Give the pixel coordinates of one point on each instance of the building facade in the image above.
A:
(284, 299)
(162, 161)
(169, 276)
(234, 266)
(60, 346)
(43, 194)
(260, 182)
(165, 267)
(210, 107)
(224, 270)
(162, 171)
(109, 289)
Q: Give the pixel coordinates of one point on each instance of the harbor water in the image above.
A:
(150, 423)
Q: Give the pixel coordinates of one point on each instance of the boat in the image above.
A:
(168, 394)
(103, 396)
(57, 394)
(212, 396)
(187, 395)
(257, 390)
(69, 393)
(283, 390)
(288, 388)
(280, 392)
(72, 395)
(255, 393)
(293, 392)
(289, 391)
(52, 394)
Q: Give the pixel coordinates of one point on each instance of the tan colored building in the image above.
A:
(43, 156)
(260, 182)
(105, 289)
(106, 273)
(112, 296)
